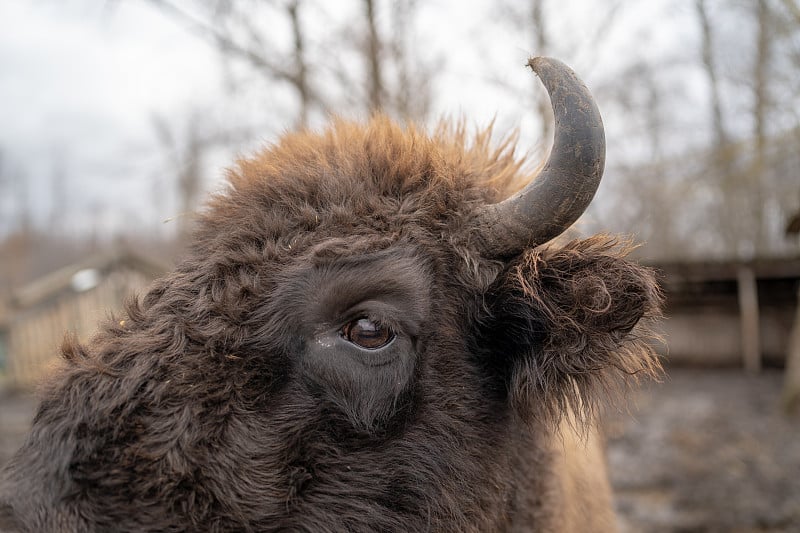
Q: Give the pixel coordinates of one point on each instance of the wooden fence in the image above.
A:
(40, 316)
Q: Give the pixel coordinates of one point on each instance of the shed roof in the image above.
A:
(63, 279)
(728, 270)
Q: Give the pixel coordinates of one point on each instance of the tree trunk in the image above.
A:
(301, 71)
(375, 77)
(540, 45)
(760, 111)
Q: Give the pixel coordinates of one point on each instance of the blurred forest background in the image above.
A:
(700, 100)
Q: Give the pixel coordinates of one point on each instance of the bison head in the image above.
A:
(362, 337)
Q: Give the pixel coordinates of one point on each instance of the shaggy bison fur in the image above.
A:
(334, 353)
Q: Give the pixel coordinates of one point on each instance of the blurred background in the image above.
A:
(118, 117)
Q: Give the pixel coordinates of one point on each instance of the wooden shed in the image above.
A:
(34, 320)
(729, 313)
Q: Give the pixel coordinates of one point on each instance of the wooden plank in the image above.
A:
(791, 385)
(749, 316)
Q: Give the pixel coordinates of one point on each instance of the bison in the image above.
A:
(369, 332)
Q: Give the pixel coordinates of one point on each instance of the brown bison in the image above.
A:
(362, 337)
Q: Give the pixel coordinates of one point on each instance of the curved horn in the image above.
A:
(559, 195)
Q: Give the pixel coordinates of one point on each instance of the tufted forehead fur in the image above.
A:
(228, 399)
(367, 184)
(411, 170)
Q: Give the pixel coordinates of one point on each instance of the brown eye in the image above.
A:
(367, 334)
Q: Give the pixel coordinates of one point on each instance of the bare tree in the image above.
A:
(398, 80)
(412, 90)
(719, 164)
(373, 58)
(59, 191)
(735, 186)
(793, 9)
(186, 148)
(761, 69)
(541, 47)
(710, 67)
(391, 81)
(233, 29)
(300, 79)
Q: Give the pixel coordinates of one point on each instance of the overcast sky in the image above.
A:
(79, 86)
(81, 81)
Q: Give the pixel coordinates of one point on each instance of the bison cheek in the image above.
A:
(368, 387)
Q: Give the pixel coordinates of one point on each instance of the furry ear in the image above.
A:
(562, 327)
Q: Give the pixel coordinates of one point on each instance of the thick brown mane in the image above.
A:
(385, 158)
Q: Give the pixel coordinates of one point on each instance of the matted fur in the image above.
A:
(579, 305)
(225, 400)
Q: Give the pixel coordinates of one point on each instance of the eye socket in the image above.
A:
(367, 334)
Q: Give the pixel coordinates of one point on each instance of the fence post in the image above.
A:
(791, 386)
(748, 314)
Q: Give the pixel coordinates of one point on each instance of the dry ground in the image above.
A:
(705, 451)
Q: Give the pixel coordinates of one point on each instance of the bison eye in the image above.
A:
(367, 334)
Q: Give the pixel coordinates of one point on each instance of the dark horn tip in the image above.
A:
(558, 196)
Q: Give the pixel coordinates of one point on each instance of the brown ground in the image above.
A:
(706, 451)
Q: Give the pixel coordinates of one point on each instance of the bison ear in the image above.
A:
(562, 327)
